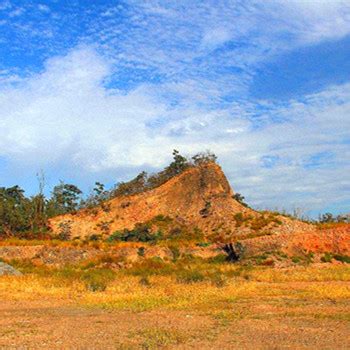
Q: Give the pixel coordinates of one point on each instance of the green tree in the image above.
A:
(178, 165)
(326, 218)
(240, 199)
(65, 199)
(15, 210)
(137, 185)
(204, 157)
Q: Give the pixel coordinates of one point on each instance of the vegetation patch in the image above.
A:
(327, 258)
(141, 233)
(342, 258)
(190, 276)
(97, 280)
(156, 338)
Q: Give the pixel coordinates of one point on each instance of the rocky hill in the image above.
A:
(200, 198)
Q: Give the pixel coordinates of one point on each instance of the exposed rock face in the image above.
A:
(7, 270)
(335, 240)
(199, 197)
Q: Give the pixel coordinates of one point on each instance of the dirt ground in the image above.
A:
(279, 324)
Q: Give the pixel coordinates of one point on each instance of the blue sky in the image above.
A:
(100, 90)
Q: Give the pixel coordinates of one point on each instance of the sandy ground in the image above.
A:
(61, 325)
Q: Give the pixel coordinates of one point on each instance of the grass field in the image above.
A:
(178, 304)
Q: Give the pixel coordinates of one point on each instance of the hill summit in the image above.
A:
(199, 198)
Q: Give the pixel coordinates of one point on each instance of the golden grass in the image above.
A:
(72, 244)
(302, 274)
(165, 292)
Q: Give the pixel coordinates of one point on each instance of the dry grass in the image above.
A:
(252, 307)
(125, 292)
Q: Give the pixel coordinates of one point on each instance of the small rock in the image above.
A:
(7, 270)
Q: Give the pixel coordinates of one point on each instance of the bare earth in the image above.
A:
(276, 325)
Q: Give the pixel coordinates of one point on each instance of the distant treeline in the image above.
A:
(330, 218)
(27, 217)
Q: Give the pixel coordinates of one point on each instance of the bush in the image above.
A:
(203, 158)
(96, 286)
(259, 223)
(218, 259)
(239, 218)
(206, 210)
(342, 258)
(105, 227)
(64, 233)
(144, 281)
(296, 259)
(240, 199)
(95, 237)
(97, 280)
(260, 259)
(204, 244)
(327, 257)
(141, 251)
(218, 281)
(140, 233)
(175, 252)
(189, 276)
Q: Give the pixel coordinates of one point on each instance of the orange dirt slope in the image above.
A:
(198, 197)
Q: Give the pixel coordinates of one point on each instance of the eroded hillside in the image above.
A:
(200, 198)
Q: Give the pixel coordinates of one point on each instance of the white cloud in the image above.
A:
(317, 20)
(44, 8)
(17, 12)
(65, 112)
(65, 115)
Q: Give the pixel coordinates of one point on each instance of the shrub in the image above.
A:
(260, 259)
(175, 252)
(97, 280)
(95, 237)
(96, 285)
(281, 255)
(327, 257)
(144, 281)
(141, 251)
(197, 234)
(140, 233)
(105, 226)
(268, 262)
(309, 257)
(161, 218)
(206, 210)
(189, 276)
(218, 281)
(342, 258)
(259, 223)
(326, 218)
(296, 259)
(175, 232)
(64, 233)
(240, 199)
(204, 244)
(239, 219)
(218, 259)
(203, 158)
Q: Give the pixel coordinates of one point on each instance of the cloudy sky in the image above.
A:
(98, 90)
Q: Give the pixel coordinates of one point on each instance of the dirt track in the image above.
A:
(43, 325)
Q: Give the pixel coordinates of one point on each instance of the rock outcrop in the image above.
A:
(7, 270)
(335, 240)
